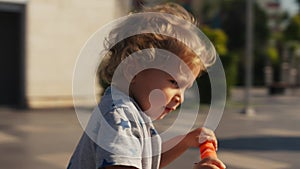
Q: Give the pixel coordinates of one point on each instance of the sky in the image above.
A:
(290, 5)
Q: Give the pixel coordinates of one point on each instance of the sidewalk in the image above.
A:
(45, 139)
(269, 140)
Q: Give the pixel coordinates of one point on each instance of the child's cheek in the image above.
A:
(157, 102)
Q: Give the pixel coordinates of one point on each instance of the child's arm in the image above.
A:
(170, 155)
(192, 139)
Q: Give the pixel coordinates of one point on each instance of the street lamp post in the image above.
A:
(248, 110)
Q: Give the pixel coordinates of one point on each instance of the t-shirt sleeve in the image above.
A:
(118, 141)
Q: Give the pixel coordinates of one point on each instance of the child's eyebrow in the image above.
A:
(182, 80)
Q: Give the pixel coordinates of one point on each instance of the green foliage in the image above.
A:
(218, 37)
(272, 54)
(229, 60)
(233, 22)
(292, 32)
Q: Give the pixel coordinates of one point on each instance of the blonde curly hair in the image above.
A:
(151, 32)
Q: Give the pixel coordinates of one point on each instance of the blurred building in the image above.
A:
(39, 43)
(273, 9)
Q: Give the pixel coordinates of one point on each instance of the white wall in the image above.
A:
(56, 31)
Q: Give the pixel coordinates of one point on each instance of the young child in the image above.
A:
(148, 73)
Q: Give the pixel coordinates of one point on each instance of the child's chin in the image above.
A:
(161, 116)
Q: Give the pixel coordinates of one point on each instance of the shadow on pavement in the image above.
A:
(261, 143)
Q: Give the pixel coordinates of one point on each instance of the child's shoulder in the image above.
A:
(115, 101)
(118, 110)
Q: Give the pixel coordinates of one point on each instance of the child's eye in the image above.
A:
(173, 82)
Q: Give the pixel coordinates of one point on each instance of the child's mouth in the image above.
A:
(168, 110)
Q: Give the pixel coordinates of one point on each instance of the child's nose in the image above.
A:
(179, 98)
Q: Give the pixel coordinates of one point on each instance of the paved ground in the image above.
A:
(269, 140)
(36, 139)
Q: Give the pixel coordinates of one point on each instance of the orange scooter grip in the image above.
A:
(207, 149)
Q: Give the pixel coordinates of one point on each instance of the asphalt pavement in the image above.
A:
(270, 139)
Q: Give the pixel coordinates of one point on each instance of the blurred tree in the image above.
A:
(218, 38)
(233, 23)
(292, 31)
(272, 54)
(208, 13)
(229, 61)
(298, 2)
(292, 44)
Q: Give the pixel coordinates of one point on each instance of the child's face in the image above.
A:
(158, 93)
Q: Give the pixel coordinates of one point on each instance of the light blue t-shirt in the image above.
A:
(118, 133)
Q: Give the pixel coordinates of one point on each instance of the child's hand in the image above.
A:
(199, 136)
(210, 163)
